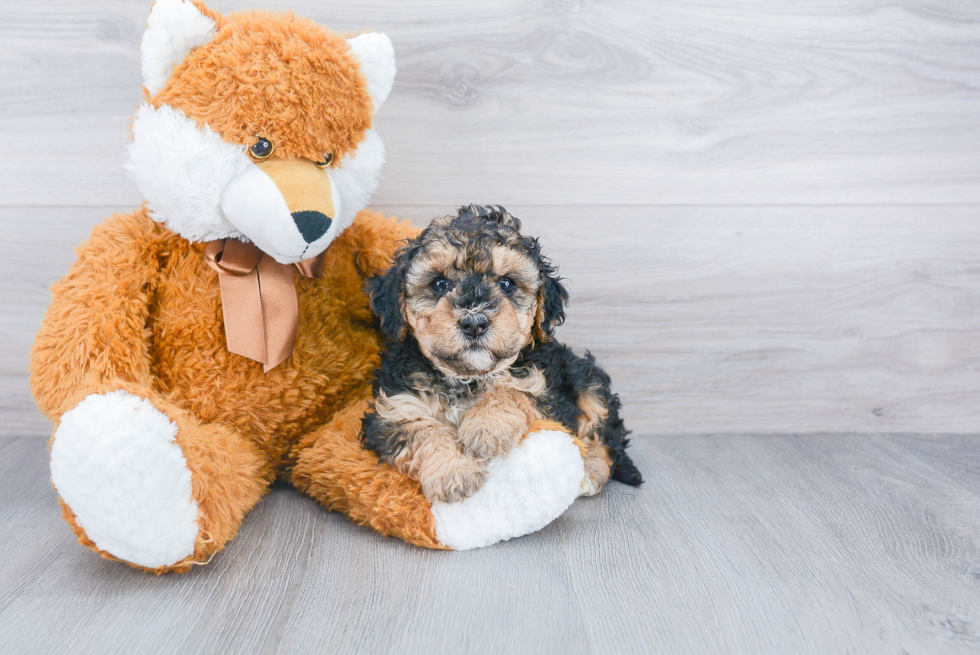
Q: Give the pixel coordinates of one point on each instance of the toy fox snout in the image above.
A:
(307, 191)
(287, 207)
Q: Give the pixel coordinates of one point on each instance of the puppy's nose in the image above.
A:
(312, 225)
(473, 325)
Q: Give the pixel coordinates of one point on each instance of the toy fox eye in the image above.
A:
(507, 285)
(327, 160)
(441, 285)
(262, 148)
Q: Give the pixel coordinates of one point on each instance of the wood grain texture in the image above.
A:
(564, 101)
(710, 320)
(779, 544)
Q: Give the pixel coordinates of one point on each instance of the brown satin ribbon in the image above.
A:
(258, 299)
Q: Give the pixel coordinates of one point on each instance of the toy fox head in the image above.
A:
(257, 127)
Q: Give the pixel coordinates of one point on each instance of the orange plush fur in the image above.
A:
(140, 310)
(293, 84)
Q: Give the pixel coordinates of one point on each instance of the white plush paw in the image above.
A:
(525, 490)
(116, 464)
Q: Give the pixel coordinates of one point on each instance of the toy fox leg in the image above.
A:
(336, 470)
(525, 490)
(145, 482)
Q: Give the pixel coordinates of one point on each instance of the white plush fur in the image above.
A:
(182, 171)
(525, 491)
(203, 188)
(116, 464)
(376, 58)
(252, 202)
(174, 28)
(185, 173)
(357, 178)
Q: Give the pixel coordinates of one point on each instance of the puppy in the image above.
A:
(469, 307)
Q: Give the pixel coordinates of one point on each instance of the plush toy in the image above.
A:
(219, 338)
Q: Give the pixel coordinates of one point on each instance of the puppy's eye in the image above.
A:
(327, 160)
(507, 285)
(441, 285)
(262, 148)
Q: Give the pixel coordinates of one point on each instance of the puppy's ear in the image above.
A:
(552, 298)
(387, 299)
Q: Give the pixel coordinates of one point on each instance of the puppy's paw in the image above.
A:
(485, 437)
(454, 481)
(598, 465)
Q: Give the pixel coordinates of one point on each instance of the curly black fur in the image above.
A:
(385, 292)
(569, 375)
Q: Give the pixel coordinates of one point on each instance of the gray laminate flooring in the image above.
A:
(737, 543)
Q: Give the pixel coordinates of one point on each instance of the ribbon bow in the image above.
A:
(258, 299)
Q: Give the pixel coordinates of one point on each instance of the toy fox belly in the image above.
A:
(335, 351)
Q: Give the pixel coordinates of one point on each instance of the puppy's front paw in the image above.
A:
(484, 437)
(453, 481)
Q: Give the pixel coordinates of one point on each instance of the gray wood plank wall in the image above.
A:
(767, 212)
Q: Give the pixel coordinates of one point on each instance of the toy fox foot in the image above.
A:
(123, 470)
(525, 490)
(116, 464)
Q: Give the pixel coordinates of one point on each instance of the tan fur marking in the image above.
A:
(594, 412)
(539, 334)
(439, 257)
(404, 408)
(597, 462)
(533, 384)
(521, 268)
(597, 468)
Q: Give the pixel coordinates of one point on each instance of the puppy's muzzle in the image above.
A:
(474, 325)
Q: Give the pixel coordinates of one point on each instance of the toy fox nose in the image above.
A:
(312, 225)
(473, 325)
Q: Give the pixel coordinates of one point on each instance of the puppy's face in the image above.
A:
(473, 292)
(471, 303)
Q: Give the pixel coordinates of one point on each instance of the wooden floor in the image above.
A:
(751, 544)
(768, 215)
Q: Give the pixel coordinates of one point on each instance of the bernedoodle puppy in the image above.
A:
(470, 306)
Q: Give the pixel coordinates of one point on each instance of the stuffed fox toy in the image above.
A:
(218, 338)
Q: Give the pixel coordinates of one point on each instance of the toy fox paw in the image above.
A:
(524, 491)
(116, 465)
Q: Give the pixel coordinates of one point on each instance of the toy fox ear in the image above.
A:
(376, 57)
(174, 28)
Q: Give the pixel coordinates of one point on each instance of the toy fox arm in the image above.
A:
(95, 330)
